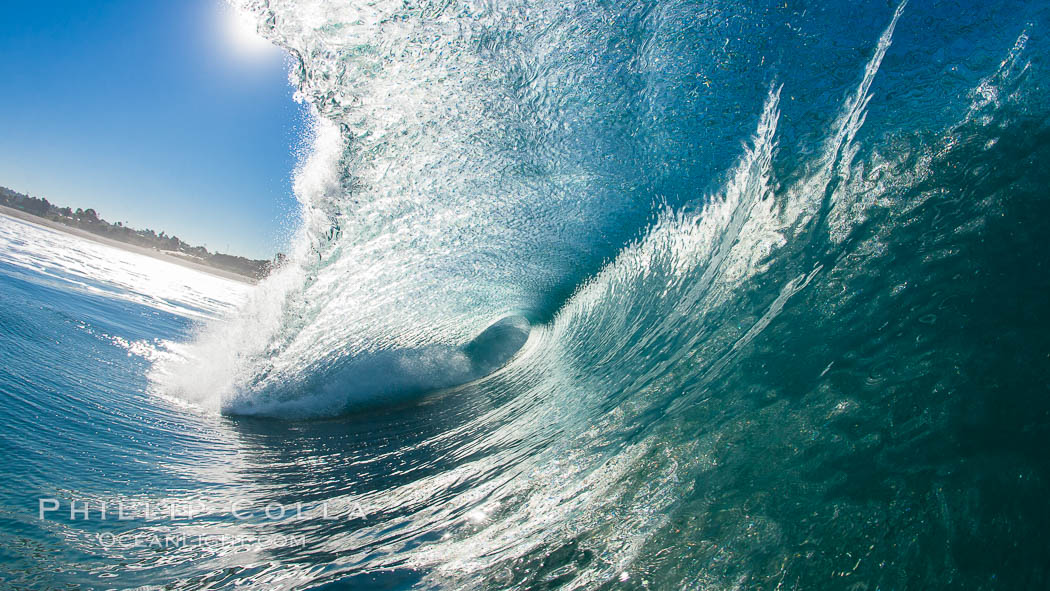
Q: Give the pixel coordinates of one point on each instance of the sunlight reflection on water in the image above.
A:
(97, 268)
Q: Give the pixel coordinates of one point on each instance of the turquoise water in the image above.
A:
(640, 296)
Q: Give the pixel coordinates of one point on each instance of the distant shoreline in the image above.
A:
(117, 234)
(150, 252)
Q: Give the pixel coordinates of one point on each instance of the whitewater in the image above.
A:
(654, 295)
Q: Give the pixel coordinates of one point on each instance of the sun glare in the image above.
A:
(241, 32)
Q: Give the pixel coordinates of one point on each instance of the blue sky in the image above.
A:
(153, 113)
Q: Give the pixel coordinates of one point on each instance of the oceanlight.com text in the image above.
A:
(210, 541)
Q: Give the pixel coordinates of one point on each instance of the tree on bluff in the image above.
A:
(87, 215)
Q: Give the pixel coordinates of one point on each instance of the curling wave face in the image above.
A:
(691, 345)
(471, 163)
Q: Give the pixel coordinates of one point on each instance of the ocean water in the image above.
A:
(637, 295)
